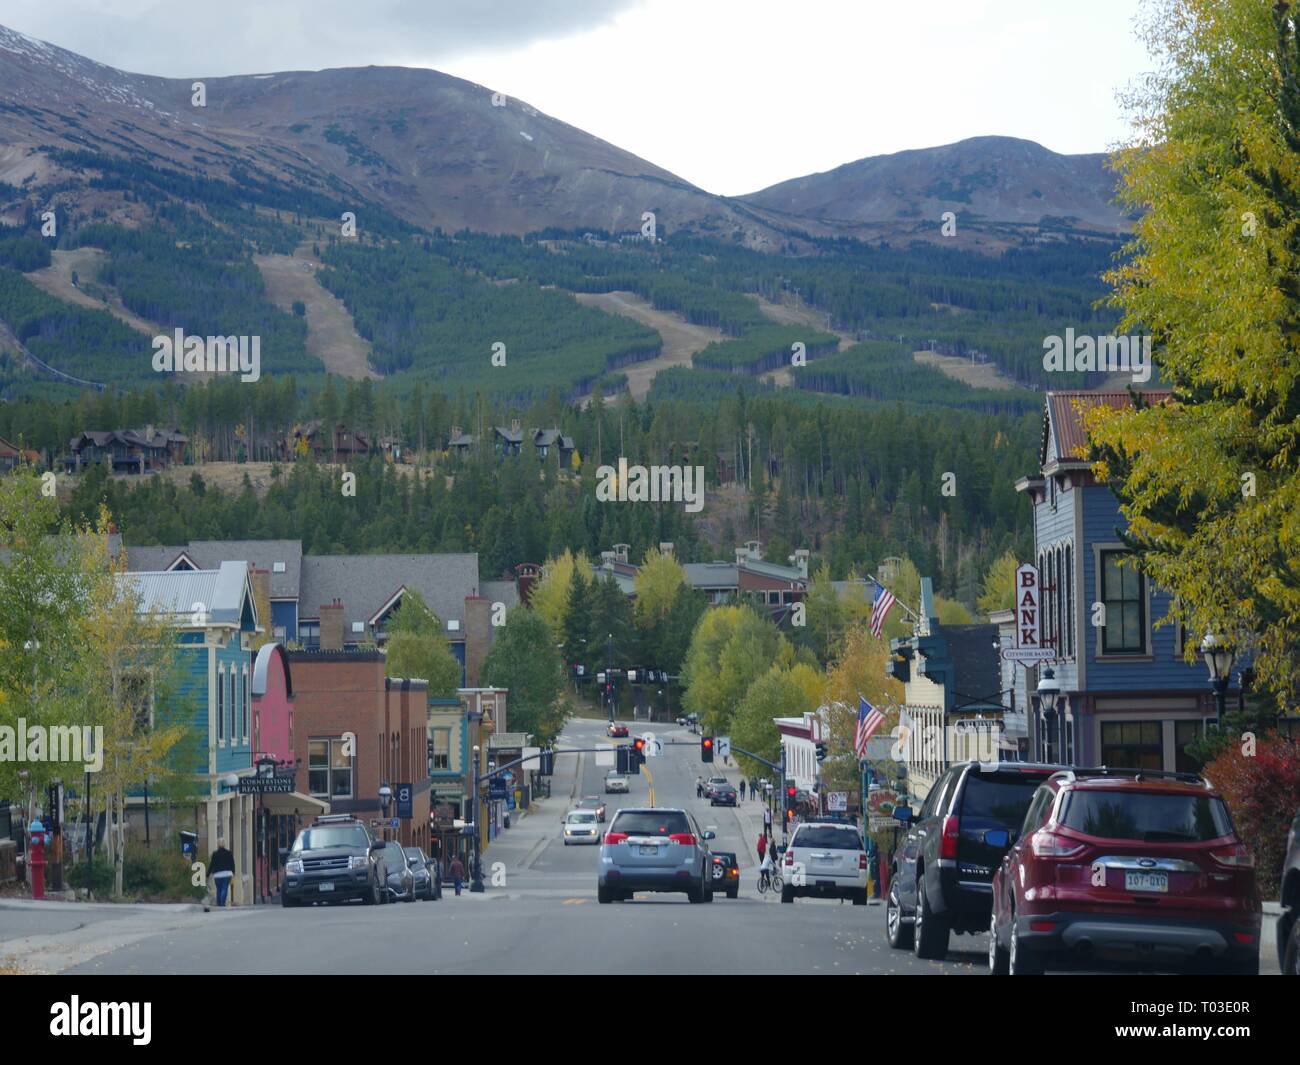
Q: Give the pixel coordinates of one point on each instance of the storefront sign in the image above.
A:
(1029, 620)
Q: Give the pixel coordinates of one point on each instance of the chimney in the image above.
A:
(514, 425)
(620, 552)
(455, 431)
(666, 548)
(742, 556)
(478, 636)
(608, 558)
(800, 560)
(525, 578)
(331, 626)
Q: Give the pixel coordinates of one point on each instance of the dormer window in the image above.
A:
(277, 567)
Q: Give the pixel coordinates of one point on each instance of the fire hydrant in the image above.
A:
(37, 838)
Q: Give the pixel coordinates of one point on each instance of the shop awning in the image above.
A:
(288, 802)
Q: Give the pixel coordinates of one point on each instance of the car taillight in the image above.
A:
(862, 860)
(1050, 845)
(948, 841)
(789, 857)
(686, 839)
(1238, 856)
(615, 837)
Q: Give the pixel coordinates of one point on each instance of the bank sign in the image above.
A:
(1029, 620)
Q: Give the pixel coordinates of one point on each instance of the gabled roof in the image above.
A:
(8, 449)
(209, 554)
(712, 574)
(1061, 419)
(460, 440)
(511, 435)
(364, 583)
(223, 594)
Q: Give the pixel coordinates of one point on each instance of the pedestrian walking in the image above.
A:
(742, 790)
(457, 871)
(767, 820)
(762, 845)
(221, 867)
(699, 787)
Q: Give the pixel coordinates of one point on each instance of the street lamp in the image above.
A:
(1219, 658)
(1049, 690)
(476, 875)
(385, 799)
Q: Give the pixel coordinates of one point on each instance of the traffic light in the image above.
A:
(790, 792)
(821, 753)
(706, 748)
(623, 759)
(546, 762)
(636, 755)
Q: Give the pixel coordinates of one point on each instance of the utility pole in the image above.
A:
(609, 673)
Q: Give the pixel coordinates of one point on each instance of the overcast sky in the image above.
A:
(733, 95)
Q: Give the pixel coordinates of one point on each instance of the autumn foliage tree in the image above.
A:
(1262, 789)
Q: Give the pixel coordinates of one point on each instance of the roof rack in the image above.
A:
(1084, 772)
(333, 819)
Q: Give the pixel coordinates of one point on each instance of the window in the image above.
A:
(1132, 745)
(1069, 600)
(277, 567)
(1122, 590)
(1146, 816)
(1184, 733)
(329, 769)
(280, 632)
(221, 704)
(309, 634)
(1058, 603)
(230, 703)
(441, 749)
(1038, 810)
(244, 707)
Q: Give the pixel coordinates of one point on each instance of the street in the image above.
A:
(539, 906)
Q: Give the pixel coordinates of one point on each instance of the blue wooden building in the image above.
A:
(1128, 696)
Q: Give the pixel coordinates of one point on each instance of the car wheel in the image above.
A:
(1020, 962)
(1291, 956)
(998, 957)
(860, 897)
(930, 931)
(374, 897)
(603, 894)
(898, 933)
(410, 894)
(787, 894)
(287, 902)
(695, 894)
(733, 894)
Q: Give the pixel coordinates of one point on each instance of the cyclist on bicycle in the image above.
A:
(765, 870)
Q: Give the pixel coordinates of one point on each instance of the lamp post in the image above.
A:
(1049, 690)
(476, 875)
(385, 800)
(1219, 658)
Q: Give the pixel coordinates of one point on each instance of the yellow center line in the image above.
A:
(650, 781)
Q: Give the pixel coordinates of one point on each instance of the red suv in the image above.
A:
(1128, 868)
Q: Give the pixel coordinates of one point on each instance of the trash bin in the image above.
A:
(507, 820)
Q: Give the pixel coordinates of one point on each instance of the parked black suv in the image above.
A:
(1288, 924)
(336, 858)
(941, 878)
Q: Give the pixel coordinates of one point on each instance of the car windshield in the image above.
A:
(415, 854)
(319, 839)
(828, 836)
(997, 799)
(651, 822)
(582, 819)
(1147, 816)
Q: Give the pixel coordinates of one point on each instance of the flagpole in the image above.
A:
(909, 610)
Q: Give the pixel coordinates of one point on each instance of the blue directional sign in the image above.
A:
(405, 800)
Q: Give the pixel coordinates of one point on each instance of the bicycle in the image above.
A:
(772, 881)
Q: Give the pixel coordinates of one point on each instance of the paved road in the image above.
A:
(539, 912)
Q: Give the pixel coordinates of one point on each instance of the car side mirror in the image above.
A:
(377, 846)
(708, 835)
(903, 815)
(998, 838)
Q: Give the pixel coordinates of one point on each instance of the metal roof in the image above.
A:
(1061, 417)
(177, 595)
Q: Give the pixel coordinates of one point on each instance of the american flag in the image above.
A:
(869, 719)
(884, 602)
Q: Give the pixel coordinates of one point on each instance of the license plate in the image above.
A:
(327, 887)
(649, 849)
(1147, 882)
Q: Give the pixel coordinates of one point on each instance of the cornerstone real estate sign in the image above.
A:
(1029, 647)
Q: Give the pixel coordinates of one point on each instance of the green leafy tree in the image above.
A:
(1210, 480)
(999, 589)
(779, 692)
(525, 661)
(416, 647)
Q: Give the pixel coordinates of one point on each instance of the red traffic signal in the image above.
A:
(639, 743)
(706, 748)
(790, 792)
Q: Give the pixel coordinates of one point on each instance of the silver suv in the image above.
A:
(654, 850)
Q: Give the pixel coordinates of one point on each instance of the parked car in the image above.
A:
(722, 795)
(726, 873)
(825, 859)
(615, 782)
(336, 858)
(1131, 868)
(593, 802)
(1288, 924)
(941, 876)
(616, 730)
(581, 826)
(655, 849)
(401, 877)
(426, 873)
(682, 721)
